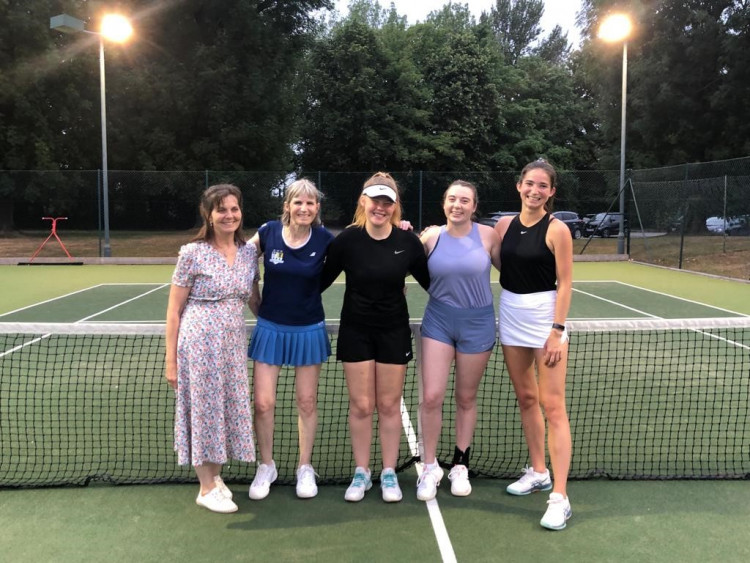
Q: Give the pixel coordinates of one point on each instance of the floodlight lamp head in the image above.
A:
(116, 28)
(66, 24)
(615, 27)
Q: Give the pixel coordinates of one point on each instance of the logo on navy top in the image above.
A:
(277, 257)
(398, 251)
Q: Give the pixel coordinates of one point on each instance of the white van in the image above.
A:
(732, 225)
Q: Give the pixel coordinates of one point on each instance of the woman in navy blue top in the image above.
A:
(291, 329)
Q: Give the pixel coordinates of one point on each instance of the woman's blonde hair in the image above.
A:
(300, 188)
(360, 219)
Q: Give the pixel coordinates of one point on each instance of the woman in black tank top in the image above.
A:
(536, 263)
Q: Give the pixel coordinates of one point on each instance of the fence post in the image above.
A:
(420, 201)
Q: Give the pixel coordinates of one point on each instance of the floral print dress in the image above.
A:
(213, 421)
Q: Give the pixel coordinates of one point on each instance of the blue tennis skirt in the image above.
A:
(285, 345)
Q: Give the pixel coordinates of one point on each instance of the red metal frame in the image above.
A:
(53, 233)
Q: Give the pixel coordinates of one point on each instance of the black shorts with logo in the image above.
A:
(358, 343)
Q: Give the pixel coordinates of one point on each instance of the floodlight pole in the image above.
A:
(105, 182)
(68, 24)
(621, 233)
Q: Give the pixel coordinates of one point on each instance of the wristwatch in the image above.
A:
(558, 326)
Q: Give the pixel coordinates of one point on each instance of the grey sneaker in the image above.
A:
(361, 483)
(558, 512)
(530, 482)
(264, 476)
(306, 486)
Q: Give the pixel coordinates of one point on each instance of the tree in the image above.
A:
(516, 26)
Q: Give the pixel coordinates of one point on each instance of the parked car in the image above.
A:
(605, 225)
(572, 220)
(493, 218)
(730, 225)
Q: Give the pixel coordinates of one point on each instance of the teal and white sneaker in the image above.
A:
(389, 486)
(558, 512)
(530, 482)
(361, 483)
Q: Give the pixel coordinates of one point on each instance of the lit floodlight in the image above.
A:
(614, 28)
(116, 28)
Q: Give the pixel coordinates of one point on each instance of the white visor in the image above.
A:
(380, 190)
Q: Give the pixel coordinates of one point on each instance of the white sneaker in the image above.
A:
(222, 487)
(362, 482)
(306, 486)
(429, 481)
(530, 482)
(389, 486)
(215, 501)
(558, 512)
(459, 478)
(264, 476)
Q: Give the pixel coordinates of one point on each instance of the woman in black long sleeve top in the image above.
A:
(374, 340)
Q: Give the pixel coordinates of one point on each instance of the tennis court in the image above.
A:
(613, 520)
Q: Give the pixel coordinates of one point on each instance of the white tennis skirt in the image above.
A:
(526, 319)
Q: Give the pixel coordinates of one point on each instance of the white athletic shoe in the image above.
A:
(429, 481)
(389, 486)
(222, 487)
(264, 476)
(530, 482)
(558, 512)
(459, 478)
(215, 501)
(306, 486)
(361, 483)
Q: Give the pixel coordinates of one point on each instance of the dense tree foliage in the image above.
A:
(687, 64)
(282, 85)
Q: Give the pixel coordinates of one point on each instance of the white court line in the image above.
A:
(616, 304)
(51, 300)
(438, 525)
(699, 331)
(44, 336)
(682, 299)
(162, 286)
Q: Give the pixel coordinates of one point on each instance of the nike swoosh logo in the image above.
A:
(398, 251)
(313, 254)
(523, 232)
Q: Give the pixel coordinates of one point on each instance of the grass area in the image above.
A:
(723, 256)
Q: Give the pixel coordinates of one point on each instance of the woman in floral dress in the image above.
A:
(216, 275)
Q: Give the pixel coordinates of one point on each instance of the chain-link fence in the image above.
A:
(689, 206)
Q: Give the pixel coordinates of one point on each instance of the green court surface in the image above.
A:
(613, 520)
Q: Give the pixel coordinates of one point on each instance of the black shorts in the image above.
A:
(384, 345)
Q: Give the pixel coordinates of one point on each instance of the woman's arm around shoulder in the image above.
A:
(491, 242)
(418, 266)
(334, 263)
(429, 237)
(501, 227)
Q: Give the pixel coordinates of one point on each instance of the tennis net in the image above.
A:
(647, 399)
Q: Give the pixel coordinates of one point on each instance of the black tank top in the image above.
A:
(527, 265)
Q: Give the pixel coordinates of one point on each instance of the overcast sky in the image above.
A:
(562, 12)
